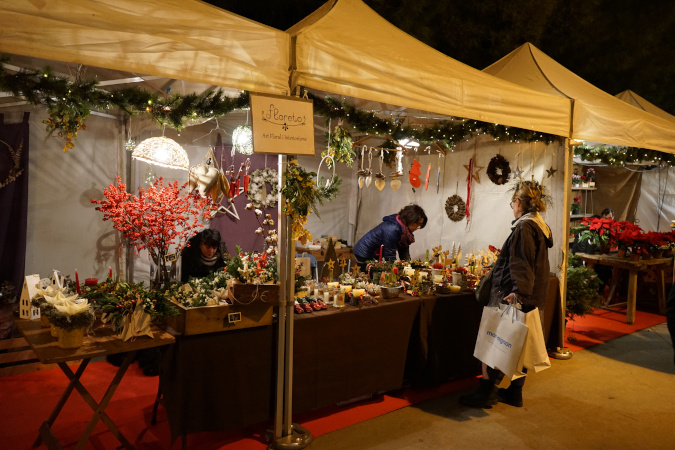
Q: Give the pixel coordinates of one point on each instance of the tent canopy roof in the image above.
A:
(597, 116)
(179, 39)
(346, 48)
(634, 99)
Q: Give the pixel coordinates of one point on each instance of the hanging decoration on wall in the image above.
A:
(395, 177)
(469, 177)
(380, 178)
(339, 146)
(551, 172)
(426, 180)
(257, 191)
(498, 170)
(415, 172)
(369, 174)
(455, 208)
(16, 170)
(620, 156)
(362, 173)
(242, 139)
(473, 169)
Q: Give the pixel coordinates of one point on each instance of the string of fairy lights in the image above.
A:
(69, 102)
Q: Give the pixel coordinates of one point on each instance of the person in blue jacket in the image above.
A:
(394, 234)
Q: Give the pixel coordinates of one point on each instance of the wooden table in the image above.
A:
(633, 267)
(105, 342)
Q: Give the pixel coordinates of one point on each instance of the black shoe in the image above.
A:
(484, 397)
(511, 396)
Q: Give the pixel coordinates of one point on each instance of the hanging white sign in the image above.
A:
(282, 125)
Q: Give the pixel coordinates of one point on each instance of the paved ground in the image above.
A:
(617, 395)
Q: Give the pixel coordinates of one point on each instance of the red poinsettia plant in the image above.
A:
(156, 219)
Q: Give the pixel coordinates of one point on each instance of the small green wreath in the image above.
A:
(455, 208)
(498, 170)
(256, 185)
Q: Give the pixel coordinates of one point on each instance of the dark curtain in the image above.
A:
(13, 199)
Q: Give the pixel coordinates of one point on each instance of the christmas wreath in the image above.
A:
(455, 208)
(498, 170)
(255, 188)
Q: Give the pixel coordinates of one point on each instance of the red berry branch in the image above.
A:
(157, 218)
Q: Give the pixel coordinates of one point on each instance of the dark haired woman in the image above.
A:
(202, 256)
(520, 274)
(394, 234)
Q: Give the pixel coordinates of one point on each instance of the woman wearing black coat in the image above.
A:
(202, 256)
(394, 234)
(521, 273)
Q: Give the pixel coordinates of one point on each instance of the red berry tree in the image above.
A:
(155, 219)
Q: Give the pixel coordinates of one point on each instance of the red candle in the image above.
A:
(381, 247)
(110, 272)
(77, 282)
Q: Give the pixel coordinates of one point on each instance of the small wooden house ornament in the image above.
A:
(26, 308)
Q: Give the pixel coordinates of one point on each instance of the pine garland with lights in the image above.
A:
(449, 132)
(620, 156)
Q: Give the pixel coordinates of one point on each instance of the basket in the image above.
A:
(44, 321)
(389, 292)
(71, 338)
(54, 330)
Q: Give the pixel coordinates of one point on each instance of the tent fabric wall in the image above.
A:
(346, 48)
(598, 116)
(618, 189)
(656, 208)
(491, 215)
(181, 39)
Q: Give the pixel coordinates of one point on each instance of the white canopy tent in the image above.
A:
(346, 48)
(181, 39)
(597, 115)
(634, 99)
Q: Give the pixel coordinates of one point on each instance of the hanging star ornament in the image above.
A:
(330, 264)
(476, 169)
(356, 270)
(518, 172)
(551, 172)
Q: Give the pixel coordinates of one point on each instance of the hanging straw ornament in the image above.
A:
(369, 176)
(362, 173)
(395, 181)
(380, 178)
(415, 172)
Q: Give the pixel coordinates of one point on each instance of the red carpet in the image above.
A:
(604, 325)
(33, 396)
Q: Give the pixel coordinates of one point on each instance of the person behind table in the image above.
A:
(521, 273)
(202, 256)
(607, 213)
(394, 234)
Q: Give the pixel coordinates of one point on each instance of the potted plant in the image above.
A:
(576, 180)
(582, 295)
(584, 181)
(590, 176)
(71, 317)
(599, 232)
(576, 205)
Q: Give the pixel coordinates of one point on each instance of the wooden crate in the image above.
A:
(212, 319)
(244, 294)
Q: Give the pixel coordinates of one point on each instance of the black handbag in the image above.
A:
(483, 289)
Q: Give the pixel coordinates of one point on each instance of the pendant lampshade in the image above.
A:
(163, 152)
(242, 139)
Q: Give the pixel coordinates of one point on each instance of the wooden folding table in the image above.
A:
(634, 267)
(103, 342)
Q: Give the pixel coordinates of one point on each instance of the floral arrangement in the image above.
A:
(156, 219)
(256, 186)
(117, 300)
(600, 232)
(302, 197)
(266, 229)
(576, 178)
(253, 268)
(590, 174)
(206, 291)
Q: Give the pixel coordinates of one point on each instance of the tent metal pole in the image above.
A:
(562, 352)
(287, 435)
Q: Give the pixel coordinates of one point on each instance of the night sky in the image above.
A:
(613, 44)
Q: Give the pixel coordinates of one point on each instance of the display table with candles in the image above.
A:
(220, 381)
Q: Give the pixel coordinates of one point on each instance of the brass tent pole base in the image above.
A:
(562, 353)
(299, 438)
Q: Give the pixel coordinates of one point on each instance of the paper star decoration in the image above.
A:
(518, 172)
(330, 264)
(356, 270)
(342, 263)
(476, 169)
(550, 172)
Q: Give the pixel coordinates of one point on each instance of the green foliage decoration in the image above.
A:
(582, 289)
(339, 147)
(620, 156)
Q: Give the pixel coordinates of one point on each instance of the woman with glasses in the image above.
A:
(521, 275)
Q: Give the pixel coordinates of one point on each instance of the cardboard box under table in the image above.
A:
(253, 306)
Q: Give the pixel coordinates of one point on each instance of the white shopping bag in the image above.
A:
(500, 338)
(534, 356)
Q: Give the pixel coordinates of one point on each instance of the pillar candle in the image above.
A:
(381, 247)
(110, 272)
(77, 282)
